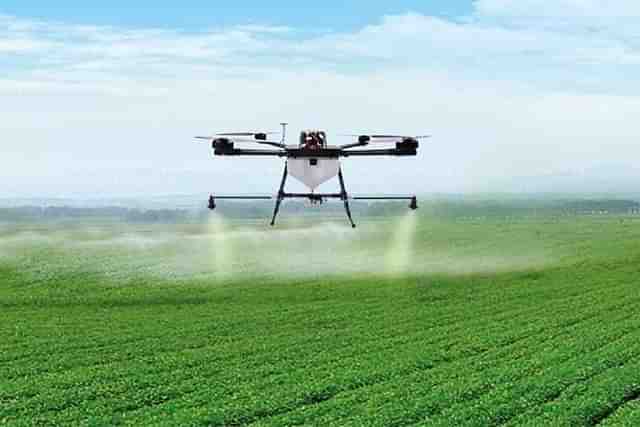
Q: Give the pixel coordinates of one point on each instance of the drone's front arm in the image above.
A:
(407, 147)
(381, 152)
(250, 152)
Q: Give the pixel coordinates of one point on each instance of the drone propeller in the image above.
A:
(364, 140)
(253, 141)
(246, 133)
(387, 137)
(240, 136)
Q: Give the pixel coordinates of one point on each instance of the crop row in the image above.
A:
(134, 376)
(396, 336)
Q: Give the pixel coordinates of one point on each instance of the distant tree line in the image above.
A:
(259, 210)
(52, 213)
(515, 208)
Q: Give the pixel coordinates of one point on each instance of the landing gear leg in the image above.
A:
(345, 198)
(280, 196)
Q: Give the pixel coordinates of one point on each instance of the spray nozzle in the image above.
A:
(414, 204)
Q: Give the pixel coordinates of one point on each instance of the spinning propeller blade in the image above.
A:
(253, 141)
(398, 136)
(259, 137)
(381, 138)
(246, 133)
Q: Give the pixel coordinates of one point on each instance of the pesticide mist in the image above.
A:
(400, 252)
(221, 249)
(225, 249)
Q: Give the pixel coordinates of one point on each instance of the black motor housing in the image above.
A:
(364, 139)
(222, 146)
(414, 203)
(408, 146)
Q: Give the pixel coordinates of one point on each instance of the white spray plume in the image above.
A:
(224, 250)
(221, 246)
(400, 252)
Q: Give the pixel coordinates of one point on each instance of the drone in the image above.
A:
(312, 162)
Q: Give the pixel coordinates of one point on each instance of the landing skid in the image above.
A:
(313, 197)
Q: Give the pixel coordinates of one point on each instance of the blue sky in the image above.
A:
(104, 99)
(332, 14)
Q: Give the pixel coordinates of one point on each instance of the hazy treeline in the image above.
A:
(533, 207)
(248, 210)
(262, 209)
(52, 213)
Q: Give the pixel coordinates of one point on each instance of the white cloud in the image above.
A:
(531, 51)
(18, 45)
(573, 9)
(590, 20)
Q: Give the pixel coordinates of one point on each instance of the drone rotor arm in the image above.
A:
(398, 152)
(253, 152)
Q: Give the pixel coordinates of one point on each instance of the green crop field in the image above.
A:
(405, 321)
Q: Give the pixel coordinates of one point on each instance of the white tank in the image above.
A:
(313, 172)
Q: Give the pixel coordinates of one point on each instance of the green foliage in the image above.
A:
(553, 343)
